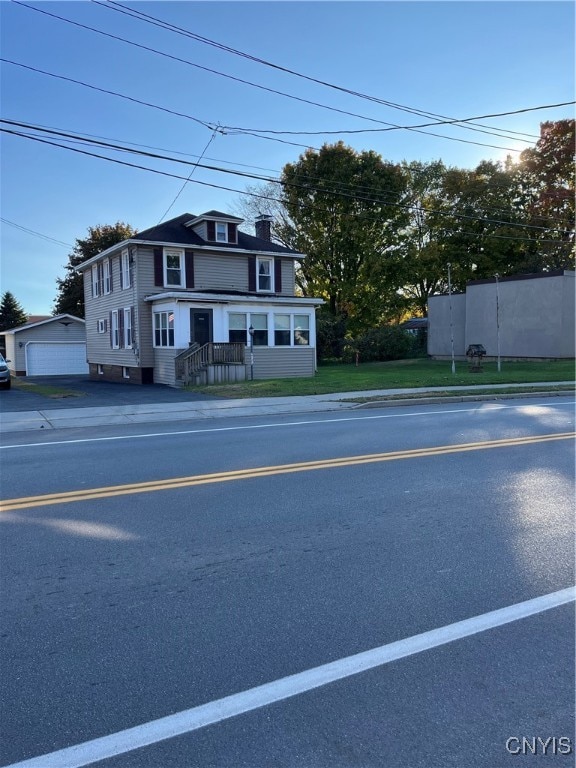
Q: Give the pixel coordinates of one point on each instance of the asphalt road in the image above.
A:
(126, 605)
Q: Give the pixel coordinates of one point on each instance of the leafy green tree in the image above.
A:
(70, 297)
(419, 264)
(344, 214)
(11, 312)
(546, 181)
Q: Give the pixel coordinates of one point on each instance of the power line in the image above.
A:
(141, 16)
(79, 139)
(210, 140)
(110, 93)
(36, 234)
(298, 186)
(392, 126)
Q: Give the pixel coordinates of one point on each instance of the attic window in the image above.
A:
(221, 232)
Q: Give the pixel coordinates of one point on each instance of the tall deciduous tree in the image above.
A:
(344, 213)
(11, 312)
(546, 178)
(70, 297)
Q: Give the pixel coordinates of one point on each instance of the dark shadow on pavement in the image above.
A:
(90, 394)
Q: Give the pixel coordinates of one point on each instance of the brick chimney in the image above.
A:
(263, 226)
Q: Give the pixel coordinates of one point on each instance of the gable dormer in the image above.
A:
(216, 228)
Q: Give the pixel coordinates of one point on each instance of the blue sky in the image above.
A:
(457, 59)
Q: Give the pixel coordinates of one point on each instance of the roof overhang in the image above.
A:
(64, 319)
(211, 217)
(225, 298)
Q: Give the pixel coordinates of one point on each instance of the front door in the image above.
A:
(200, 326)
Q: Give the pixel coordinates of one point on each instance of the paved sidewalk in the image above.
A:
(78, 418)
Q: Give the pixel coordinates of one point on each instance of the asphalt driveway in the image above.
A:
(89, 393)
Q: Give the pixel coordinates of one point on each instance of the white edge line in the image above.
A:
(267, 426)
(263, 695)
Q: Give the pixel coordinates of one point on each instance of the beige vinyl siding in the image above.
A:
(144, 280)
(99, 349)
(220, 271)
(11, 347)
(288, 277)
(283, 362)
(164, 366)
(55, 331)
(201, 229)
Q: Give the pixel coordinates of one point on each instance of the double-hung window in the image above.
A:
(127, 328)
(125, 269)
(282, 330)
(221, 232)
(107, 277)
(174, 268)
(115, 329)
(237, 328)
(260, 325)
(95, 280)
(302, 330)
(163, 329)
(264, 273)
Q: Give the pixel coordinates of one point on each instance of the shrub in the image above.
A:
(330, 336)
(390, 342)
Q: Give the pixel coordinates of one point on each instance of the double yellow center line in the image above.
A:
(109, 491)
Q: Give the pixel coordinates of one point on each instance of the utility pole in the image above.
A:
(451, 327)
(498, 320)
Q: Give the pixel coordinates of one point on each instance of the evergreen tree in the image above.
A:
(11, 313)
(70, 299)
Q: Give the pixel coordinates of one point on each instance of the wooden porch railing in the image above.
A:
(195, 359)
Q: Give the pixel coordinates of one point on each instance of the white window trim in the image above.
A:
(107, 287)
(125, 372)
(127, 327)
(224, 224)
(125, 269)
(115, 330)
(270, 261)
(291, 314)
(180, 253)
(166, 312)
(101, 326)
(95, 283)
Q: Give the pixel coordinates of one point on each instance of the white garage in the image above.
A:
(54, 358)
(55, 346)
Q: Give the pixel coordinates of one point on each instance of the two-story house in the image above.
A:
(196, 300)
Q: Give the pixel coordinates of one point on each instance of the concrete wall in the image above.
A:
(439, 344)
(535, 317)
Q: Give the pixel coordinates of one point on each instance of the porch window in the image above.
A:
(163, 329)
(260, 325)
(282, 330)
(301, 330)
(237, 327)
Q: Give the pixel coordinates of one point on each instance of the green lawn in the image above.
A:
(44, 389)
(398, 374)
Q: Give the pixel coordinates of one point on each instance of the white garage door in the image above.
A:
(44, 358)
